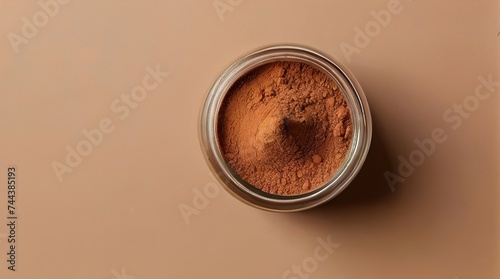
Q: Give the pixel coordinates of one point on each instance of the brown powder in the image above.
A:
(285, 128)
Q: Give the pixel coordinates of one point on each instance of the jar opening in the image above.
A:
(285, 128)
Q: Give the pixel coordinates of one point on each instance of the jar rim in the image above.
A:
(345, 173)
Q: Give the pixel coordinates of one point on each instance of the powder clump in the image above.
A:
(284, 127)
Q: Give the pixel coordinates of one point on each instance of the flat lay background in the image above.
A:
(141, 203)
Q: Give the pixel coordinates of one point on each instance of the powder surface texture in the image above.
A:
(285, 128)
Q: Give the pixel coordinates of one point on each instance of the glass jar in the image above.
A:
(361, 124)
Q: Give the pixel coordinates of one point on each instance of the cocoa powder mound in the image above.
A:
(285, 128)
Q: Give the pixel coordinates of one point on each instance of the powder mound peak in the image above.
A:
(284, 137)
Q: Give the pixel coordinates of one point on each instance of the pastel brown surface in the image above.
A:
(116, 215)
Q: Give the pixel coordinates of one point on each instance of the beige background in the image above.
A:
(117, 214)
